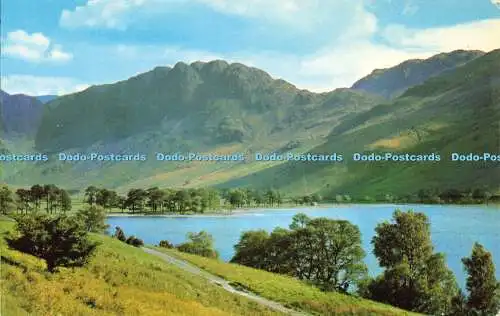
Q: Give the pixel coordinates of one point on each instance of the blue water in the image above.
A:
(454, 229)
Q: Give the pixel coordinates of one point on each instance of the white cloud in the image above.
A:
(339, 64)
(482, 35)
(39, 85)
(496, 2)
(34, 47)
(349, 53)
(112, 14)
(297, 14)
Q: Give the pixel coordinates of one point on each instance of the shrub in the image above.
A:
(134, 241)
(60, 241)
(119, 234)
(200, 244)
(166, 244)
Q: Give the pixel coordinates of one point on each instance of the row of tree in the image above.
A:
(426, 196)
(155, 200)
(181, 200)
(50, 197)
(328, 253)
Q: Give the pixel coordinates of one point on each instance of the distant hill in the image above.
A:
(19, 114)
(210, 103)
(46, 98)
(392, 82)
(226, 108)
(458, 111)
(200, 107)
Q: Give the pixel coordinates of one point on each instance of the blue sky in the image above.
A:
(61, 46)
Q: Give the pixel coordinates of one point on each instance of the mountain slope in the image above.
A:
(219, 97)
(458, 111)
(20, 115)
(46, 98)
(394, 81)
(201, 107)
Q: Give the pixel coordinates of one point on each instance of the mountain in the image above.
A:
(457, 111)
(392, 82)
(210, 104)
(20, 115)
(217, 107)
(46, 98)
(198, 107)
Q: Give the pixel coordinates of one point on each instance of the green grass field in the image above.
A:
(289, 291)
(124, 280)
(120, 280)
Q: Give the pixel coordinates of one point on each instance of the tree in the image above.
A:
(323, 251)
(483, 288)
(91, 194)
(50, 192)
(415, 277)
(121, 203)
(326, 252)
(201, 244)
(106, 198)
(64, 200)
(182, 200)
(136, 199)
(93, 218)
(252, 249)
(155, 198)
(37, 194)
(60, 241)
(7, 202)
(237, 197)
(24, 199)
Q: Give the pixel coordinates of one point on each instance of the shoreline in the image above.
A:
(304, 208)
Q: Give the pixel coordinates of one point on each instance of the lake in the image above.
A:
(454, 228)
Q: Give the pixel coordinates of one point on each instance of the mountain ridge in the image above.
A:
(221, 107)
(394, 81)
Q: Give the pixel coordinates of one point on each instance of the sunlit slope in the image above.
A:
(290, 291)
(455, 112)
(120, 280)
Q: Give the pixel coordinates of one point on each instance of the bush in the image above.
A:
(119, 234)
(60, 241)
(200, 244)
(134, 241)
(166, 244)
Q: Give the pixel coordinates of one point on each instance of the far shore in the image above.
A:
(282, 208)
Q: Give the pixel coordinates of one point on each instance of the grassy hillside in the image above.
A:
(120, 280)
(124, 280)
(289, 291)
(455, 112)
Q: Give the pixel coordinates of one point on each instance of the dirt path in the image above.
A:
(186, 266)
